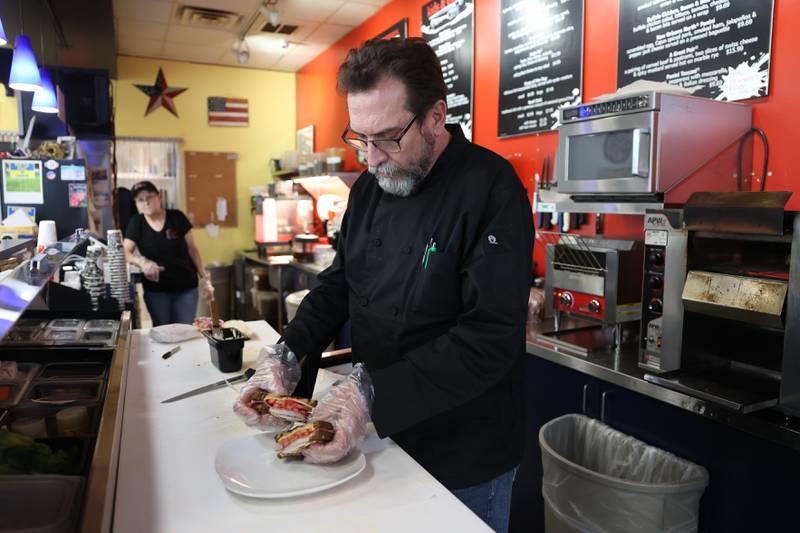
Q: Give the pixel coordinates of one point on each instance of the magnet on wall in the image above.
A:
(51, 175)
(51, 164)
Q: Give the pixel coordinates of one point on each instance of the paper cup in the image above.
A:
(47, 235)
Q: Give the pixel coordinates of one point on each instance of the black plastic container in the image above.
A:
(226, 352)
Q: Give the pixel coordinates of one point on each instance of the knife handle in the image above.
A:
(249, 373)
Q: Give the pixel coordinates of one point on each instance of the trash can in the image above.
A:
(599, 479)
(293, 300)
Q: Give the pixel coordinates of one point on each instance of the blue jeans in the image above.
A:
(491, 500)
(171, 307)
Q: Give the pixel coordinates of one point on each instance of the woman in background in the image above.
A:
(168, 257)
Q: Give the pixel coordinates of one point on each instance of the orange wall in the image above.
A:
(319, 104)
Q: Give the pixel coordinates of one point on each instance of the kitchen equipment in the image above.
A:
(722, 292)
(215, 329)
(303, 247)
(65, 392)
(226, 348)
(650, 147)
(592, 278)
(278, 219)
(72, 370)
(213, 386)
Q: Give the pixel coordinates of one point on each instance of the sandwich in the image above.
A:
(288, 408)
(301, 436)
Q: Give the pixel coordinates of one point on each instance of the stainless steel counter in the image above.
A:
(620, 368)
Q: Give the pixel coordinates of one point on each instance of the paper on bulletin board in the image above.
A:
(22, 182)
(73, 173)
(78, 197)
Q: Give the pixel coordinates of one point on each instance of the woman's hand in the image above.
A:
(206, 288)
(151, 269)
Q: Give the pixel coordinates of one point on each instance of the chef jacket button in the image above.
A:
(376, 242)
(407, 250)
(395, 310)
(364, 302)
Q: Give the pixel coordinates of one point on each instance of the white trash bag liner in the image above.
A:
(599, 479)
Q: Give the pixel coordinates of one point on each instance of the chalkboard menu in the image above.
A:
(720, 48)
(541, 63)
(448, 26)
(398, 30)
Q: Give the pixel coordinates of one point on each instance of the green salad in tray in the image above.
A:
(20, 454)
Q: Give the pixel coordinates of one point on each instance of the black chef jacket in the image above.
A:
(443, 342)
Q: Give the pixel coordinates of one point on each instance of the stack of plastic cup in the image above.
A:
(47, 235)
(118, 268)
(92, 275)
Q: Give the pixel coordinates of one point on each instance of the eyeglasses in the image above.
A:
(389, 145)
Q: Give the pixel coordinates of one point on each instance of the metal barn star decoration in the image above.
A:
(160, 94)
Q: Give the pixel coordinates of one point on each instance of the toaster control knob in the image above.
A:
(566, 299)
(657, 258)
(594, 306)
(656, 283)
(655, 306)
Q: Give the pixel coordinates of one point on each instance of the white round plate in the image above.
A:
(250, 466)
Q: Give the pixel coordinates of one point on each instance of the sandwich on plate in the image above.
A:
(288, 408)
(293, 441)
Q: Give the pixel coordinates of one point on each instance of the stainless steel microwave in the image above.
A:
(647, 144)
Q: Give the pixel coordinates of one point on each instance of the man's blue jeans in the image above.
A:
(171, 307)
(491, 500)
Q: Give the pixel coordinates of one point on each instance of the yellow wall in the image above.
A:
(271, 98)
(9, 119)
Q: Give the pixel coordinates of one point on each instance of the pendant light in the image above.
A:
(3, 38)
(24, 72)
(44, 100)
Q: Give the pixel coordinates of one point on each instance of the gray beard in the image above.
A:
(403, 181)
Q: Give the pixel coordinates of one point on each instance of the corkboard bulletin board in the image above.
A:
(209, 176)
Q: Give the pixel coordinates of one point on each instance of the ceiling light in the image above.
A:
(3, 39)
(285, 44)
(24, 72)
(243, 55)
(44, 100)
(270, 11)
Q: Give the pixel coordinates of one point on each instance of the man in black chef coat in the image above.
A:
(433, 270)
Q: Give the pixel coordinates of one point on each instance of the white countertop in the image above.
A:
(167, 483)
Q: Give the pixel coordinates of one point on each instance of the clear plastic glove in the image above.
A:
(151, 269)
(347, 407)
(206, 288)
(278, 372)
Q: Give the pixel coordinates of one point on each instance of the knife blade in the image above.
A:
(213, 386)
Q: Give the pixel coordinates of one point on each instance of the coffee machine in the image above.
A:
(721, 300)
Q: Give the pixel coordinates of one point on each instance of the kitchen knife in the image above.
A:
(219, 384)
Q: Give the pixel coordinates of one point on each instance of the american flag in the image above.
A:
(227, 111)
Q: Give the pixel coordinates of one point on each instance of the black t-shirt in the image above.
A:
(167, 248)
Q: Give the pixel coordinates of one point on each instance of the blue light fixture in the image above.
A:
(24, 71)
(3, 38)
(44, 100)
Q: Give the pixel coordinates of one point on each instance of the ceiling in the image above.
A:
(159, 29)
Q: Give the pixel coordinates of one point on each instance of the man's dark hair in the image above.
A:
(410, 60)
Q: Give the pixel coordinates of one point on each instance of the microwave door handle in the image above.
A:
(640, 160)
